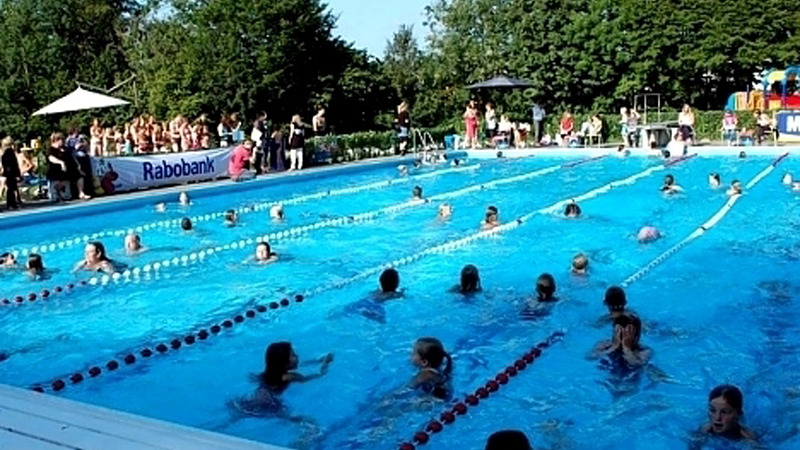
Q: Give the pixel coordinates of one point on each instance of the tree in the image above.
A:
(401, 64)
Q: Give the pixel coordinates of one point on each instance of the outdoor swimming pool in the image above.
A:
(721, 310)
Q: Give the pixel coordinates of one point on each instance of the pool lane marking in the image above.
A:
(261, 206)
(129, 357)
(470, 401)
(132, 274)
(702, 229)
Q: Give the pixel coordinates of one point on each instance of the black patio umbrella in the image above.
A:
(500, 82)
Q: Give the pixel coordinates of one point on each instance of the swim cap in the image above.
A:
(648, 233)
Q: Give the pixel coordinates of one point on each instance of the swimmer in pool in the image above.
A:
(372, 307)
(8, 260)
(231, 218)
(186, 224)
(264, 254)
(35, 267)
(796, 186)
(492, 218)
(725, 412)
(133, 244)
(572, 210)
(389, 282)
(735, 189)
(281, 363)
(580, 264)
(276, 212)
(183, 199)
(95, 259)
(435, 366)
(615, 301)
(742, 154)
(787, 179)
(161, 207)
(455, 162)
(625, 342)
(546, 288)
(416, 193)
(470, 280)
(508, 440)
(417, 163)
(714, 180)
(402, 170)
(445, 210)
(648, 234)
(669, 186)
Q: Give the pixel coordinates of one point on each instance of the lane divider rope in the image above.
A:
(261, 206)
(204, 331)
(702, 229)
(133, 274)
(470, 401)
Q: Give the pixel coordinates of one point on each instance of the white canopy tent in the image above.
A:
(78, 100)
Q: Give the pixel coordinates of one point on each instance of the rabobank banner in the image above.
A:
(788, 125)
(127, 173)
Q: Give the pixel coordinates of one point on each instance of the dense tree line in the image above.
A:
(282, 56)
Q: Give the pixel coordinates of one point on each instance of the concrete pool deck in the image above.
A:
(33, 421)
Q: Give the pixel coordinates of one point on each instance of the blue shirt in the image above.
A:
(538, 113)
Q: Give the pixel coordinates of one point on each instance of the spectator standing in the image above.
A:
(566, 128)
(319, 123)
(96, 132)
(297, 142)
(491, 121)
(259, 138)
(84, 162)
(278, 149)
(730, 123)
(686, 123)
(538, 120)
(11, 172)
(236, 129)
(224, 131)
(471, 124)
(57, 168)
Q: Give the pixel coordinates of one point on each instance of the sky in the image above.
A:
(369, 24)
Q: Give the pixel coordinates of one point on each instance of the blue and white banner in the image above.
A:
(788, 125)
(127, 173)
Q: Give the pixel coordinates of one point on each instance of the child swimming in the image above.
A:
(492, 218)
(714, 180)
(435, 366)
(95, 259)
(508, 440)
(183, 199)
(276, 212)
(35, 267)
(648, 234)
(470, 280)
(133, 244)
(725, 411)
(572, 210)
(546, 288)
(264, 254)
(186, 224)
(580, 264)
(735, 189)
(416, 193)
(231, 218)
(669, 186)
(625, 345)
(445, 210)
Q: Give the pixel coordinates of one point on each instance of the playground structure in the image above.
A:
(779, 91)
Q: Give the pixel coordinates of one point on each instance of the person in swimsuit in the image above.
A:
(541, 305)
(572, 210)
(280, 362)
(669, 186)
(133, 244)
(372, 307)
(624, 345)
(95, 259)
(725, 403)
(787, 179)
(580, 264)
(35, 267)
(297, 142)
(445, 210)
(186, 224)
(735, 189)
(648, 234)
(470, 280)
(231, 218)
(183, 199)
(714, 180)
(416, 193)
(615, 301)
(435, 366)
(492, 218)
(276, 212)
(264, 254)
(8, 260)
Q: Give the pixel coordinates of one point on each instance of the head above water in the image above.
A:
(714, 179)
(8, 259)
(184, 199)
(279, 359)
(430, 353)
(508, 440)
(231, 216)
(133, 242)
(545, 286)
(648, 234)
(35, 263)
(95, 252)
(615, 299)
(580, 263)
(787, 178)
(389, 280)
(263, 251)
(669, 180)
(276, 212)
(445, 210)
(725, 409)
(629, 320)
(186, 224)
(742, 154)
(470, 279)
(416, 192)
(572, 210)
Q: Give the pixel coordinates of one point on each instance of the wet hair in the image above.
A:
(416, 192)
(184, 195)
(669, 180)
(499, 154)
(230, 215)
(730, 394)
(431, 350)
(715, 176)
(580, 262)
(572, 209)
(265, 244)
(277, 360)
(667, 154)
(4, 257)
(742, 154)
(546, 286)
(35, 262)
(101, 250)
(508, 440)
(615, 298)
(470, 279)
(186, 224)
(630, 319)
(389, 280)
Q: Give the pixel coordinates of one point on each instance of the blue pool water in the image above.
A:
(722, 310)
